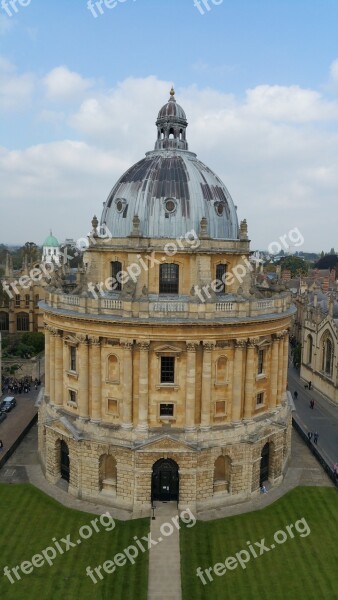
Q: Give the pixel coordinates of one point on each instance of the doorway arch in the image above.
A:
(64, 460)
(165, 481)
(265, 460)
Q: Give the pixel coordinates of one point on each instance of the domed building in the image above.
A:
(166, 367)
(51, 249)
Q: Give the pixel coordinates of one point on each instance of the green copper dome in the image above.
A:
(51, 241)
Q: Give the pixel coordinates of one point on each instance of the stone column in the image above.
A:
(190, 398)
(206, 385)
(249, 378)
(143, 386)
(237, 381)
(95, 378)
(285, 362)
(274, 372)
(280, 368)
(58, 369)
(127, 407)
(47, 359)
(83, 390)
(52, 364)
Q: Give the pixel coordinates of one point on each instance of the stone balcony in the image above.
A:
(181, 308)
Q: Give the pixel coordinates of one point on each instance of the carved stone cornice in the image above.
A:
(94, 340)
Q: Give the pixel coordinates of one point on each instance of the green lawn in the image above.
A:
(300, 568)
(29, 520)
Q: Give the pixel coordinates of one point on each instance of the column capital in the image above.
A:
(81, 338)
(94, 340)
(191, 345)
(127, 344)
(209, 346)
(240, 344)
(252, 342)
(143, 345)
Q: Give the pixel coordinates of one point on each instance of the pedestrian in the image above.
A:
(296, 395)
(312, 403)
(263, 489)
(1, 446)
(315, 437)
(309, 435)
(310, 385)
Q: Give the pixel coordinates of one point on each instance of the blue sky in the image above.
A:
(80, 96)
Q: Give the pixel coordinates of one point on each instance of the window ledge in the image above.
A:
(260, 376)
(72, 374)
(223, 384)
(168, 386)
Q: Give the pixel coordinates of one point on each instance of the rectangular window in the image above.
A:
(167, 369)
(113, 407)
(260, 398)
(260, 367)
(72, 397)
(27, 300)
(166, 410)
(169, 279)
(220, 408)
(220, 276)
(72, 358)
(17, 300)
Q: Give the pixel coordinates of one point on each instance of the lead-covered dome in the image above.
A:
(170, 190)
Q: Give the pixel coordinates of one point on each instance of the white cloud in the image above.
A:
(64, 85)
(15, 90)
(334, 71)
(275, 150)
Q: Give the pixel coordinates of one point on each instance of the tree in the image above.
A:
(295, 264)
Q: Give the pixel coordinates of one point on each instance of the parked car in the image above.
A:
(3, 416)
(7, 404)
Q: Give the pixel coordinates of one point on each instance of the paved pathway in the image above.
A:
(164, 560)
(323, 418)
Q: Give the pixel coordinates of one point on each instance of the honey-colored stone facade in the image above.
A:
(107, 403)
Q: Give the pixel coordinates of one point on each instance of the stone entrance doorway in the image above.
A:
(165, 481)
(64, 456)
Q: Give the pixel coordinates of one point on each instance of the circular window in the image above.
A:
(170, 205)
(120, 204)
(219, 207)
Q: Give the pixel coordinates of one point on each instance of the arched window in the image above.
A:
(22, 322)
(222, 474)
(309, 349)
(108, 473)
(327, 356)
(116, 268)
(221, 370)
(4, 321)
(169, 278)
(221, 270)
(113, 369)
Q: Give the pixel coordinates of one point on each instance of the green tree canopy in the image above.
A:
(297, 265)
